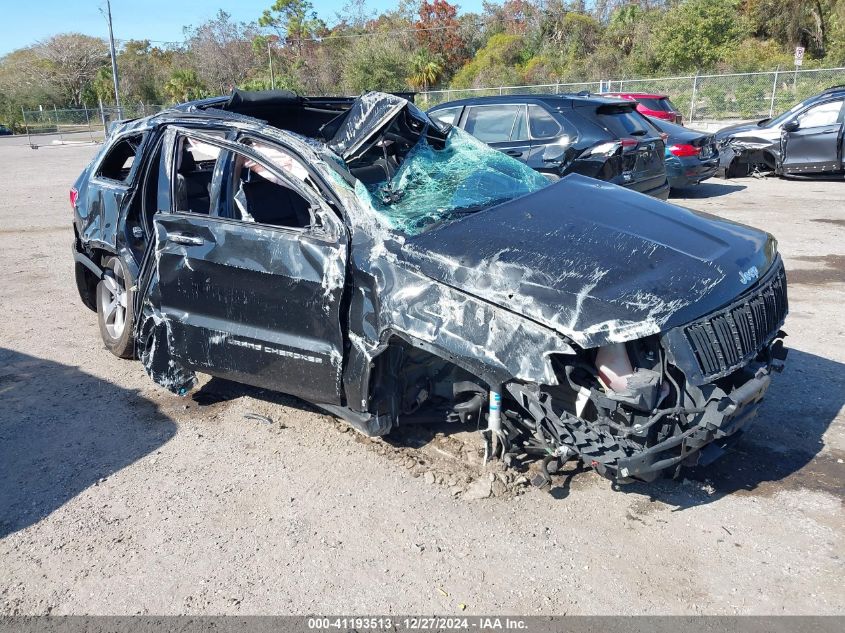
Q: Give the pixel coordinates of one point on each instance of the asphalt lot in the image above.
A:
(119, 498)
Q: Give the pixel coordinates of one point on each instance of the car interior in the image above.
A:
(380, 160)
(194, 173)
(286, 110)
(259, 199)
(325, 119)
(117, 165)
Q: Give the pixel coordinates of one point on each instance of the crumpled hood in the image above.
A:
(750, 131)
(737, 127)
(596, 262)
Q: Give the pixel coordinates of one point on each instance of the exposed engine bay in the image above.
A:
(742, 159)
(622, 409)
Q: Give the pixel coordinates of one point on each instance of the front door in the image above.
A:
(251, 264)
(816, 145)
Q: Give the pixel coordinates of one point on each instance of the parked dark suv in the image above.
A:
(359, 256)
(807, 140)
(604, 138)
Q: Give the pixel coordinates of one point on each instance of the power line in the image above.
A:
(334, 36)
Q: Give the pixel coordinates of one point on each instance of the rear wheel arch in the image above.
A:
(86, 279)
(86, 285)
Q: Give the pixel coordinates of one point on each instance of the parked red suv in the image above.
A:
(653, 105)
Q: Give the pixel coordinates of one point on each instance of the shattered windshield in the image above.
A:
(432, 187)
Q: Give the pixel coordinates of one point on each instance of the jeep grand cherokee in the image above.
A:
(392, 270)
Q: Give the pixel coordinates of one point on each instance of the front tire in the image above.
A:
(114, 308)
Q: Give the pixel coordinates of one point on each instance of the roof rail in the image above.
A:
(834, 88)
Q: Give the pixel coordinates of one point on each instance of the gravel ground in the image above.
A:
(118, 498)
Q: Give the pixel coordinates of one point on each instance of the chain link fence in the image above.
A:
(699, 97)
(80, 124)
(431, 98)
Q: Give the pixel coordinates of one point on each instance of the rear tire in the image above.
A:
(114, 308)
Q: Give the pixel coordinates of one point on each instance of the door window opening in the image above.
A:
(195, 161)
(260, 196)
(117, 165)
(821, 115)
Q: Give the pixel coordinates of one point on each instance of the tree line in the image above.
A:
(427, 44)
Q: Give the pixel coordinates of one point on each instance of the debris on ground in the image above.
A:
(258, 417)
(479, 489)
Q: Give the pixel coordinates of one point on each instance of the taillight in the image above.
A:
(74, 194)
(603, 149)
(684, 150)
(629, 142)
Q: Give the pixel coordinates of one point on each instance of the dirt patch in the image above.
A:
(441, 454)
(448, 456)
(832, 271)
(786, 470)
(835, 222)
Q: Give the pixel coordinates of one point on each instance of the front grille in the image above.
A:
(727, 339)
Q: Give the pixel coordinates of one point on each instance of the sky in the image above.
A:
(25, 23)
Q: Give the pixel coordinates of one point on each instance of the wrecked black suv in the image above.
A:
(392, 270)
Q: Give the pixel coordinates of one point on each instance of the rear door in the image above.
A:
(251, 276)
(552, 137)
(502, 126)
(816, 145)
(447, 116)
(640, 162)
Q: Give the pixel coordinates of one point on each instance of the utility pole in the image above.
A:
(272, 74)
(113, 61)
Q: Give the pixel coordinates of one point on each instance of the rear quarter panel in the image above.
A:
(97, 215)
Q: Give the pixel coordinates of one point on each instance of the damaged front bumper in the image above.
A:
(738, 158)
(699, 433)
(721, 419)
(720, 367)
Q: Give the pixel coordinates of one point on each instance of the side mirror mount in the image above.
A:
(791, 126)
(324, 222)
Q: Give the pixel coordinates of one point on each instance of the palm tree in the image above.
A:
(184, 85)
(425, 69)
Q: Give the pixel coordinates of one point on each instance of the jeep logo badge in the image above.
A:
(747, 276)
